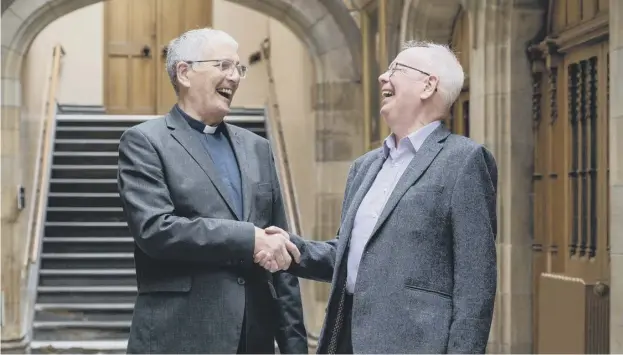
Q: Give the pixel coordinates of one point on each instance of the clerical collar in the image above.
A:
(200, 126)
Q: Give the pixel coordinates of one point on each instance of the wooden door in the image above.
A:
(129, 66)
(175, 17)
(136, 33)
(570, 116)
(458, 120)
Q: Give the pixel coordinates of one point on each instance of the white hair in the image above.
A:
(440, 61)
(190, 46)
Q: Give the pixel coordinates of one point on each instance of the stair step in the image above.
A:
(81, 330)
(82, 229)
(86, 294)
(85, 306)
(105, 346)
(90, 132)
(94, 312)
(84, 185)
(87, 277)
(79, 145)
(87, 272)
(104, 244)
(85, 214)
(84, 199)
(84, 171)
(73, 261)
(86, 158)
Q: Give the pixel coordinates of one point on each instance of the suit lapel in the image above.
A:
(187, 138)
(418, 165)
(370, 175)
(241, 156)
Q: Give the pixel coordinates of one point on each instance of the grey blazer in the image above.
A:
(193, 256)
(427, 279)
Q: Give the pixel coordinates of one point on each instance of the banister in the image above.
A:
(43, 162)
(274, 129)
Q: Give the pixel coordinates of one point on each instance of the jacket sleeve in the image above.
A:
(473, 218)
(291, 336)
(150, 213)
(318, 257)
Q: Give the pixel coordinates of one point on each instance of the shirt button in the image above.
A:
(241, 281)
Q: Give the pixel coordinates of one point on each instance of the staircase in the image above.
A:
(87, 285)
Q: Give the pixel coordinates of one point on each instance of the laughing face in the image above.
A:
(212, 81)
(405, 87)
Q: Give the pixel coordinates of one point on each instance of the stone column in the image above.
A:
(616, 176)
(500, 118)
(13, 249)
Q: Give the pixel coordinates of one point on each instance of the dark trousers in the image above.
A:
(345, 340)
(253, 337)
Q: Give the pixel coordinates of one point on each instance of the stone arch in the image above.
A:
(324, 26)
(429, 19)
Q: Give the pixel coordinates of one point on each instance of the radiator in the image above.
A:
(573, 317)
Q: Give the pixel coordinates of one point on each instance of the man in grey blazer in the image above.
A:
(413, 268)
(197, 193)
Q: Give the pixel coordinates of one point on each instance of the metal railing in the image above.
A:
(274, 130)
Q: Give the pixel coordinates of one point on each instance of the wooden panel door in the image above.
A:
(176, 17)
(129, 40)
(136, 33)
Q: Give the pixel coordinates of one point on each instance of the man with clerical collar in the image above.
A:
(197, 194)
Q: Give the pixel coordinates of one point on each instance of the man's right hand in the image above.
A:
(276, 248)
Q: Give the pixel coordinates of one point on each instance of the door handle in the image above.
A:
(165, 49)
(146, 51)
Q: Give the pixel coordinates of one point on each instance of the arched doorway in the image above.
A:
(571, 166)
(326, 28)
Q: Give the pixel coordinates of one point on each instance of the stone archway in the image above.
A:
(324, 26)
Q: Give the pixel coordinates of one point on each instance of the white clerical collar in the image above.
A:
(209, 129)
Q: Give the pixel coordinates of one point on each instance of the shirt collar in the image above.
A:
(198, 125)
(416, 138)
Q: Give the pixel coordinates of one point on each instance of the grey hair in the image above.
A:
(443, 63)
(189, 46)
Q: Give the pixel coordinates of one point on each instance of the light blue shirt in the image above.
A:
(397, 160)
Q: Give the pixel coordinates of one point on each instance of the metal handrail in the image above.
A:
(274, 130)
(43, 163)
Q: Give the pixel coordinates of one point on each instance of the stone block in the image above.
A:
(616, 149)
(24, 8)
(336, 95)
(616, 25)
(308, 13)
(616, 223)
(11, 92)
(8, 187)
(10, 118)
(11, 23)
(337, 65)
(327, 35)
(10, 59)
(616, 90)
(10, 143)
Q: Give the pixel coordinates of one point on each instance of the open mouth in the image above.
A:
(387, 93)
(225, 92)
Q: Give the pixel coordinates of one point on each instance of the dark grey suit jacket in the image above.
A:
(427, 279)
(193, 256)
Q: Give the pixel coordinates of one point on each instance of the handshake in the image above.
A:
(274, 250)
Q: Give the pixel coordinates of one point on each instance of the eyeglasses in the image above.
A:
(392, 69)
(396, 66)
(225, 65)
